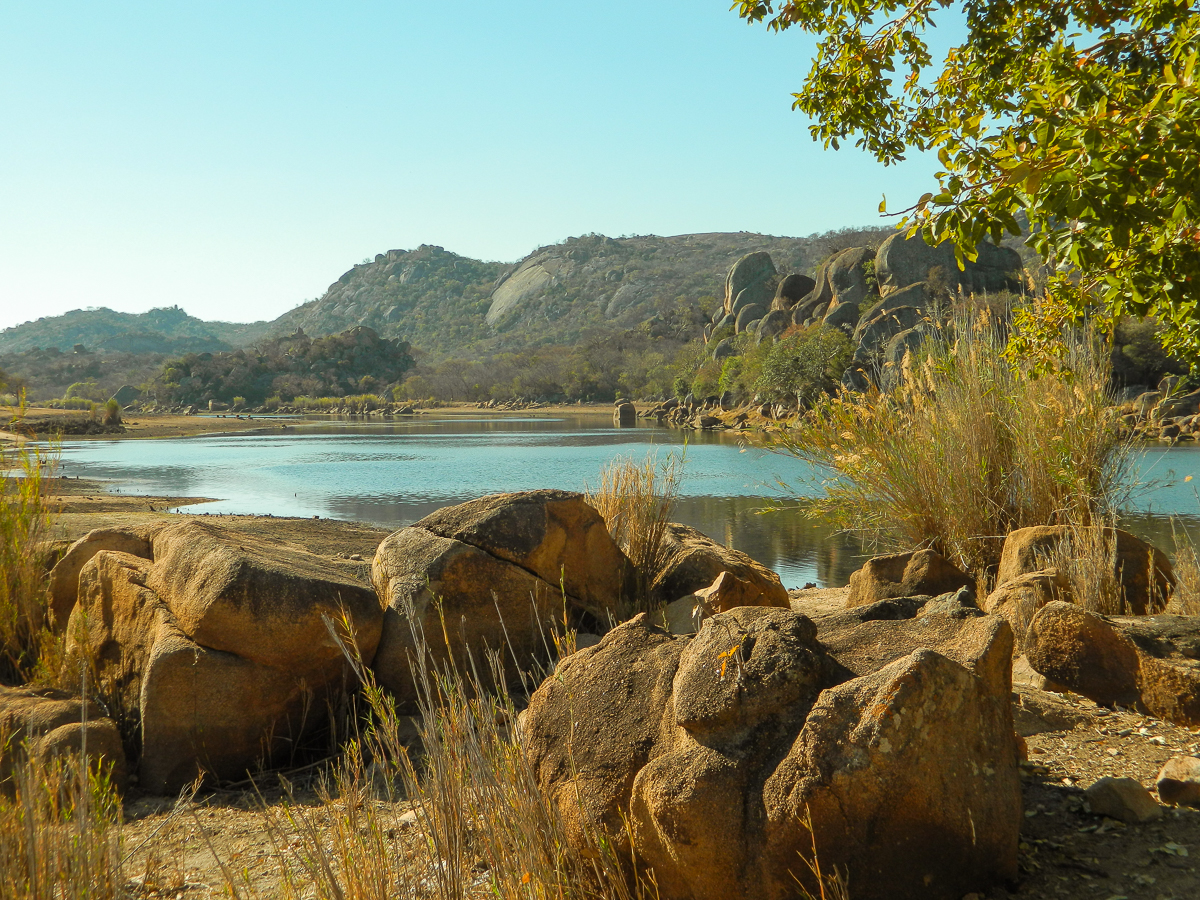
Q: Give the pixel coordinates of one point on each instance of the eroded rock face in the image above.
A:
(1019, 599)
(64, 577)
(1140, 663)
(905, 575)
(47, 725)
(214, 649)
(894, 734)
(498, 567)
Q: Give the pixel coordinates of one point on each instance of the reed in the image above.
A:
(28, 649)
(967, 447)
(636, 501)
(60, 833)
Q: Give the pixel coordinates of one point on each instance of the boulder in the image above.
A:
(848, 276)
(1123, 799)
(1018, 600)
(724, 349)
(1178, 782)
(791, 290)
(1172, 407)
(496, 570)
(915, 296)
(64, 577)
(902, 261)
(683, 616)
(841, 315)
(748, 313)
(920, 572)
(1146, 575)
(703, 757)
(755, 272)
(45, 725)
(872, 337)
(775, 323)
(693, 561)
(625, 416)
(1135, 663)
(216, 653)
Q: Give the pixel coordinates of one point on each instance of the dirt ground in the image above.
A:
(190, 849)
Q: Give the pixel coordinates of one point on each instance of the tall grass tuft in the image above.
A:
(60, 829)
(461, 817)
(25, 526)
(1185, 599)
(968, 447)
(636, 501)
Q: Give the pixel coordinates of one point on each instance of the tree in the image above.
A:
(1083, 114)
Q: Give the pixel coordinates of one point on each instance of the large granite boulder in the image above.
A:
(44, 725)
(1151, 664)
(215, 653)
(693, 561)
(791, 290)
(751, 280)
(703, 757)
(496, 571)
(919, 572)
(1144, 572)
(64, 577)
(902, 261)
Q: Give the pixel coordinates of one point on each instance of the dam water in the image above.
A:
(393, 473)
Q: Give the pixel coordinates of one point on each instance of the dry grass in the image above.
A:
(28, 650)
(462, 817)
(60, 834)
(1185, 599)
(636, 501)
(968, 448)
(1087, 558)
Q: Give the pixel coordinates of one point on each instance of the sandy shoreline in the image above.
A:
(151, 425)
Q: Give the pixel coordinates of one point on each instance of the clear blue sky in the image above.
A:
(234, 158)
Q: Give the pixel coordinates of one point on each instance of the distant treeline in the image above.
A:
(357, 361)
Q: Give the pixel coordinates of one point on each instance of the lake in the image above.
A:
(392, 474)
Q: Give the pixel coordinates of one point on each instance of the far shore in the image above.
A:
(142, 425)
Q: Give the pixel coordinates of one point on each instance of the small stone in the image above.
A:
(1123, 799)
(1179, 781)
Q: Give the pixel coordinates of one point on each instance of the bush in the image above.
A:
(968, 448)
(804, 363)
(28, 649)
(112, 413)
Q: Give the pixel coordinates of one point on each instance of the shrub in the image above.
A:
(112, 413)
(27, 647)
(804, 363)
(968, 448)
(636, 501)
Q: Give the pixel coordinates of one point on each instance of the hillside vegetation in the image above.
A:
(357, 361)
(582, 289)
(166, 330)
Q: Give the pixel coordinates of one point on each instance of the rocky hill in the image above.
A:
(166, 330)
(578, 290)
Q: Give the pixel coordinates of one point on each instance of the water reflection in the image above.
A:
(392, 474)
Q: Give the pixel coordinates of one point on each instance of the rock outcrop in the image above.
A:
(1149, 664)
(496, 569)
(704, 757)
(214, 649)
(902, 261)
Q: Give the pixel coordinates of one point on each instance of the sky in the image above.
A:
(235, 158)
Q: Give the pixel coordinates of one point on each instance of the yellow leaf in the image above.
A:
(1189, 478)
